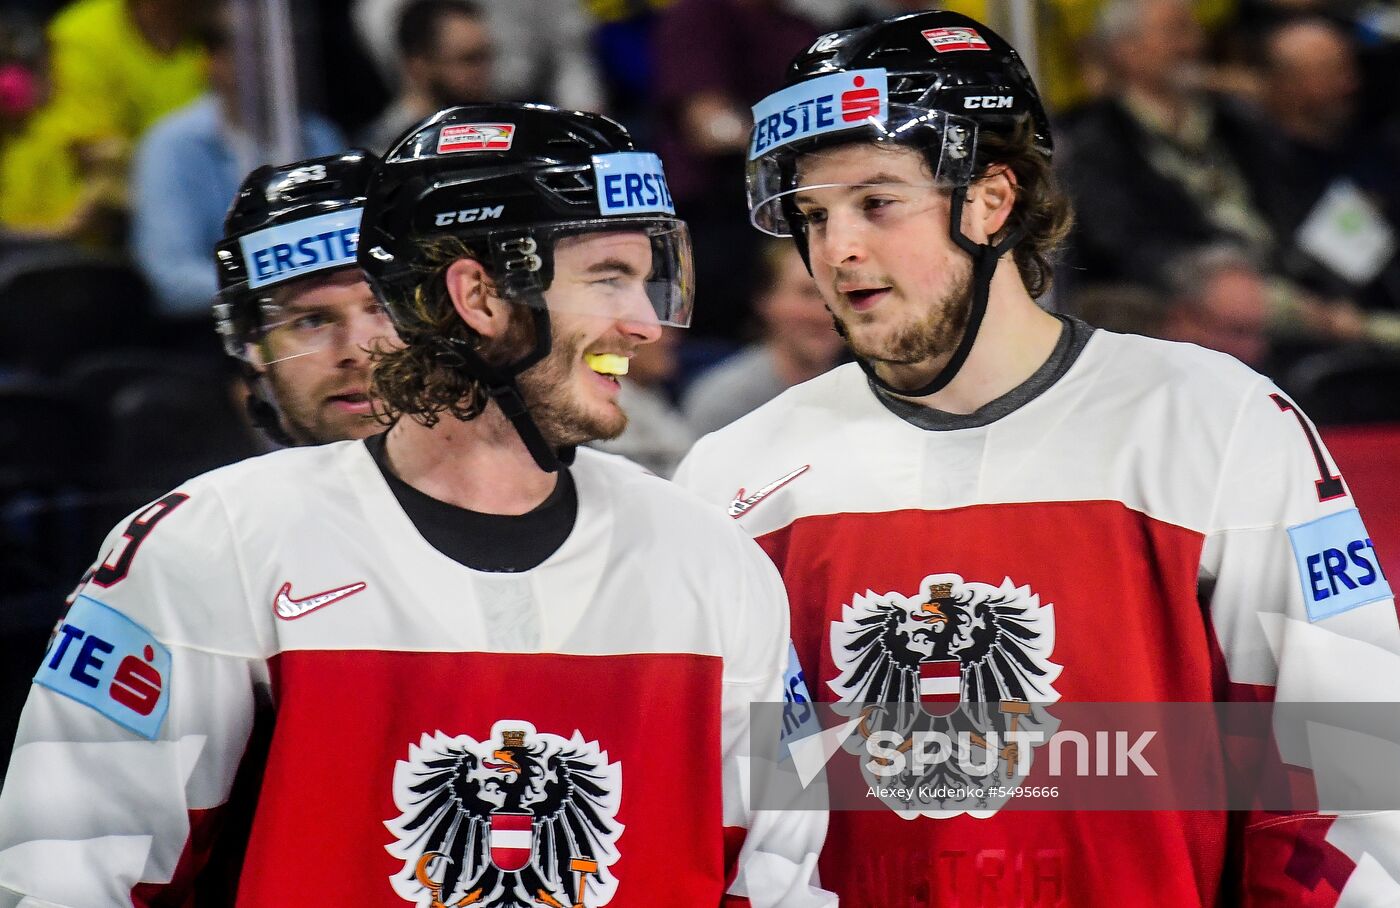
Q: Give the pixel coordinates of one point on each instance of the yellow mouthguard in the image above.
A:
(607, 363)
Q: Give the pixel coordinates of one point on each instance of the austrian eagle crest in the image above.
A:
(957, 656)
(517, 820)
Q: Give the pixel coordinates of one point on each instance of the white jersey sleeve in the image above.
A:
(1303, 614)
(137, 719)
(777, 850)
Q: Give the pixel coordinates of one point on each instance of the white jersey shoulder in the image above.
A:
(1127, 408)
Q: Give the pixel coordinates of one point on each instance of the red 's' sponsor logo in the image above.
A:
(136, 684)
(860, 103)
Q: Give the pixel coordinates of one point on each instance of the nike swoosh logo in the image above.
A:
(742, 503)
(288, 608)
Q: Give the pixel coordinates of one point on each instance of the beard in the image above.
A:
(305, 417)
(549, 388)
(934, 335)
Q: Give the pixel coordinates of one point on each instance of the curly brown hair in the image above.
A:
(426, 375)
(1043, 209)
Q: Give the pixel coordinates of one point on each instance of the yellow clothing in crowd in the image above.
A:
(109, 87)
(39, 182)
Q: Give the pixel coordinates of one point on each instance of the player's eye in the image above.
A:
(311, 321)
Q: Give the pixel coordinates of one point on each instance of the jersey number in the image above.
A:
(1329, 485)
(113, 572)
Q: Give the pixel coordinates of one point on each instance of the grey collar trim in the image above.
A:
(1073, 336)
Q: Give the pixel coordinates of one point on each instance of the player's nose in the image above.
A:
(842, 240)
(637, 317)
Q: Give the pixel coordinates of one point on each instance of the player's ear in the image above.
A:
(990, 202)
(474, 298)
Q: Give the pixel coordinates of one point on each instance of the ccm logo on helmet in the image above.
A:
(987, 102)
(468, 215)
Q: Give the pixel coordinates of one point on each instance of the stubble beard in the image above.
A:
(920, 340)
(548, 389)
(307, 424)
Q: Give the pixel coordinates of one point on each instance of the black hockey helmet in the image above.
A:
(510, 181)
(934, 81)
(285, 223)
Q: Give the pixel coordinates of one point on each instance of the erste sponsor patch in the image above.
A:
(818, 106)
(292, 250)
(799, 716)
(104, 660)
(631, 182)
(1337, 564)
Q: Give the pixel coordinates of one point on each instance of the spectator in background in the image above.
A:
(656, 436)
(543, 50)
(186, 170)
(43, 194)
(1331, 163)
(35, 184)
(117, 67)
(799, 343)
(715, 59)
(1219, 300)
(445, 59)
(1160, 166)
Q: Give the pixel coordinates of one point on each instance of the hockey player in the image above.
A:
(456, 664)
(1010, 508)
(293, 307)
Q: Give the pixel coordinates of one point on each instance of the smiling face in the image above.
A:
(599, 312)
(315, 359)
(881, 253)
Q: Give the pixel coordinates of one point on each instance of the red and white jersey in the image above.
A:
(277, 634)
(1167, 527)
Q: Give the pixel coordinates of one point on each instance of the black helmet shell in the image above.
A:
(938, 60)
(497, 169)
(277, 197)
(285, 223)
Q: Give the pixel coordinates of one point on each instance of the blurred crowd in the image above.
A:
(1235, 166)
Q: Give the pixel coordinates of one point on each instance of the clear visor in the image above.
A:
(948, 141)
(622, 270)
(340, 316)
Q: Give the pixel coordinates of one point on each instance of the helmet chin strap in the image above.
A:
(501, 387)
(265, 417)
(984, 264)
